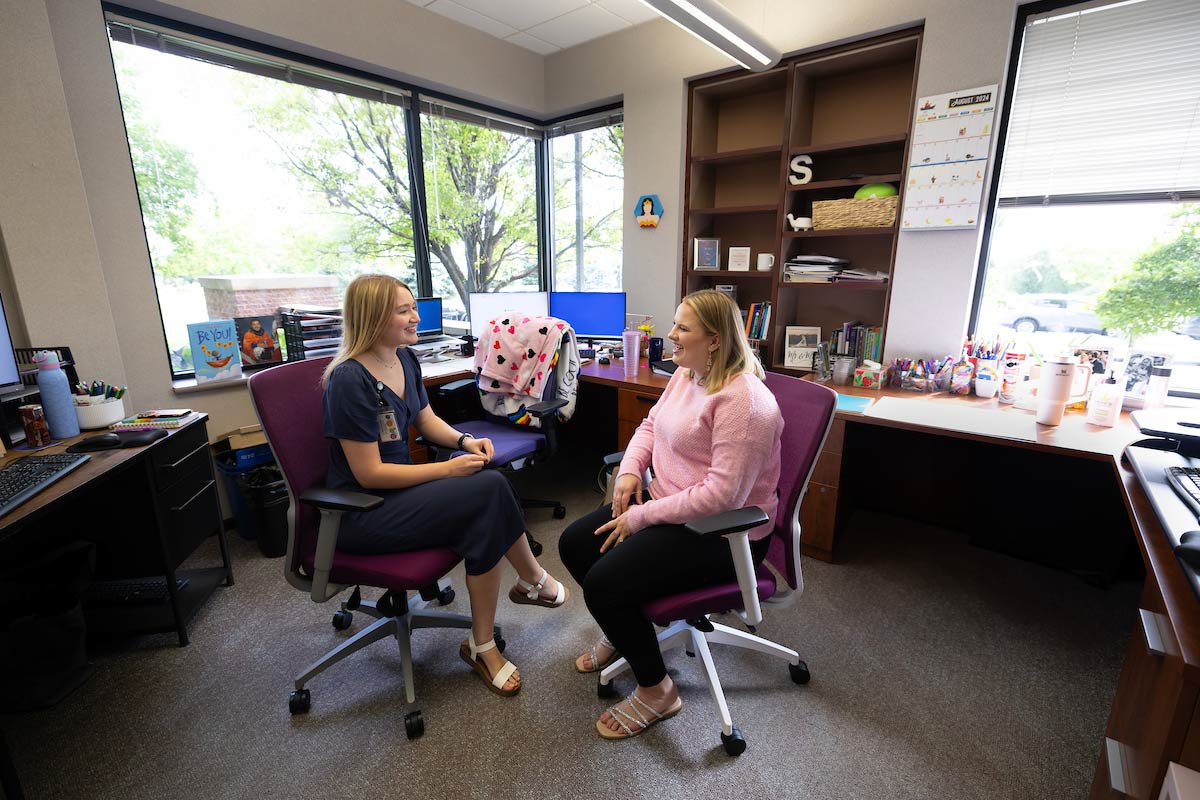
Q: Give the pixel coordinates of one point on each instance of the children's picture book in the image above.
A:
(800, 346)
(214, 350)
(257, 339)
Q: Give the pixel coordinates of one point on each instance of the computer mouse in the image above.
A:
(1188, 549)
(604, 360)
(101, 441)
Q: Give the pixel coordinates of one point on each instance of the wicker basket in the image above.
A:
(868, 212)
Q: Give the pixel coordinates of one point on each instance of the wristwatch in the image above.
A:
(462, 439)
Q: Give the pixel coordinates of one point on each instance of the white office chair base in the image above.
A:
(681, 634)
(399, 627)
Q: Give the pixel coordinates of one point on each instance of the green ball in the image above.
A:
(875, 190)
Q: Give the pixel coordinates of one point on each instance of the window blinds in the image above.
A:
(1107, 104)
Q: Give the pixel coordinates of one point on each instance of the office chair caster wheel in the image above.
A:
(446, 596)
(535, 546)
(605, 691)
(799, 673)
(560, 512)
(734, 744)
(342, 620)
(500, 643)
(299, 701)
(414, 724)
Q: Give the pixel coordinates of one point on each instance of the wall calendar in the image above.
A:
(948, 159)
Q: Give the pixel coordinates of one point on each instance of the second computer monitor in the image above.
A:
(591, 314)
(485, 306)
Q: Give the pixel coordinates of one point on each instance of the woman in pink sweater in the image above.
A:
(712, 441)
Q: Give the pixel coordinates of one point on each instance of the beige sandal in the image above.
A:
(469, 652)
(641, 720)
(530, 594)
(594, 657)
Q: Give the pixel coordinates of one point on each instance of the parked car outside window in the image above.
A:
(1052, 312)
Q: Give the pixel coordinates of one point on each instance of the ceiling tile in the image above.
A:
(581, 25)
(532, 43)
(456, 12)
(634, 12)
(521, 14)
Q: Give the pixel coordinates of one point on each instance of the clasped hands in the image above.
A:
(478, 453)
(627, 490)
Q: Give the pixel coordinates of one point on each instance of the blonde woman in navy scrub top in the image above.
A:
(373, 393)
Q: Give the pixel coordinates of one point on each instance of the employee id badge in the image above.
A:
(389, 430)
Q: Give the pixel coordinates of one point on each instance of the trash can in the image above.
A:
(266, 497)
(243, 519)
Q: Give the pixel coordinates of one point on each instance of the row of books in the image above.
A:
(758, 320)
(858, 340)
(155, 418)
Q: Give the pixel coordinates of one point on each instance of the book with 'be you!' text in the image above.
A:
(214, 350)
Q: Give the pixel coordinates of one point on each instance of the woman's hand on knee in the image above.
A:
(617, 530)
(480, 447)
(627, 489)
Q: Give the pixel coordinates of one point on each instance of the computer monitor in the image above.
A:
(484, 306)
(592, 314)
(430, 311)
(10, 375)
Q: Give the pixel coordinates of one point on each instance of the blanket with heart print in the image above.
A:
(516, 355)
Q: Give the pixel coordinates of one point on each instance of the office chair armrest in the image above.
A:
(613, 460)
(454, 387)
(340, 500)
(543, 408)
(727, 522)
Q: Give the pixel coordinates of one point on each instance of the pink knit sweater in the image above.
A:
(710, 452)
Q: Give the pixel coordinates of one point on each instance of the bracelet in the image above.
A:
(462, 439)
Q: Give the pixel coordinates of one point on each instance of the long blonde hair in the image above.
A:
(719, 316)
(366, 311)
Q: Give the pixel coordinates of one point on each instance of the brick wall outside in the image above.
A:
(227, 304)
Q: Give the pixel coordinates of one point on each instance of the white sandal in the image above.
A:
(469, 652)
(530, 594)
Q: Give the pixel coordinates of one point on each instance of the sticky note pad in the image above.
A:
(848, 402)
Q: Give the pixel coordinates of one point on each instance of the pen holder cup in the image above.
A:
(100, 414)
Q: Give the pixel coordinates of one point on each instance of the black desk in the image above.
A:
(146, 509)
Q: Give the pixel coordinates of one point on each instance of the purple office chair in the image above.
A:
(808, 414)
(288, 401)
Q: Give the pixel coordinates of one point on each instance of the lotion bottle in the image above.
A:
(1104, 406)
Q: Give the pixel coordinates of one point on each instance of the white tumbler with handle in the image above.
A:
(1059, 374)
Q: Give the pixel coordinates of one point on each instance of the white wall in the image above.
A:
(965, 44)
(68, 206)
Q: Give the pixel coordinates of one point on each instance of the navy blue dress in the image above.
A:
(478, 516)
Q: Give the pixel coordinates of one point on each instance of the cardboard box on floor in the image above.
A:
(248, 443)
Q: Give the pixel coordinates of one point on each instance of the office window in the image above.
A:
(261, 172)
(1094, 240)
(481, 199)
(587, 179)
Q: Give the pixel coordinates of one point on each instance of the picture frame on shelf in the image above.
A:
(1137, 374)
(739, 259)
(729, 289)
(800, 344)
(706, 254)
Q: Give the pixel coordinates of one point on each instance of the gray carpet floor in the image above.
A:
(939, 670)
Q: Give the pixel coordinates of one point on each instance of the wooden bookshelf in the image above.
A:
(848, 107)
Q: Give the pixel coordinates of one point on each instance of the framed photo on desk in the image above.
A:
(706, 254)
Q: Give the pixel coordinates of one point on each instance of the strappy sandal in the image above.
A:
(643, 717)
(469, 652)
(594, 656)
(530, 594)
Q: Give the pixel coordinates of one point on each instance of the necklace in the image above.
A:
(385, 364)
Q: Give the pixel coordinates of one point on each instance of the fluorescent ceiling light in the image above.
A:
(713, 24)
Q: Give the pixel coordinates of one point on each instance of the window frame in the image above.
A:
(1024, 12)
(417, 97)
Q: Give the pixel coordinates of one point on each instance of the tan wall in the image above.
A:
(68, 207)
(966, 44)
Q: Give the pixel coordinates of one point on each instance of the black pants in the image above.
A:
(654, 562)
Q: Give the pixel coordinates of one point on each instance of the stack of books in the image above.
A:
(813, 269)
(858, 340)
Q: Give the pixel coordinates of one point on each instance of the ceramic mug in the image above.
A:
(766, 262)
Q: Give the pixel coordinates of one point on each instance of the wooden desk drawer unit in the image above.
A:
(818, 512)
(632, 408)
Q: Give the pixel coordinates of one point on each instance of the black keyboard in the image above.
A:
(134, 590)
(1186, 483)
(25, 477)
